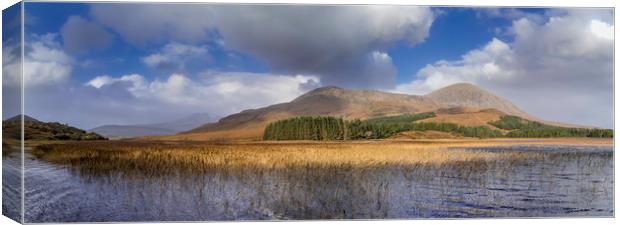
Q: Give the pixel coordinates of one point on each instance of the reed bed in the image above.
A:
(199, 157)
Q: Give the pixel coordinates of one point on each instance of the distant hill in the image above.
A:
(463, 104)
(185, 123)
(19, 118)
(38, 130)
(124, 131)
(156, 129)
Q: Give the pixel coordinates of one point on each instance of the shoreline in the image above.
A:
(540, 141)
(570, 141)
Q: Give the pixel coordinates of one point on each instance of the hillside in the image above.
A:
(331, 101)
(466, 116)
(473, 97)
(462, 104)
(156, 129)
(38, 130)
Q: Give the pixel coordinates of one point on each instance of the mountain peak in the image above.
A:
(470, 95)
(325, 90)
(460, 87)
(328, 87)
(19, 118)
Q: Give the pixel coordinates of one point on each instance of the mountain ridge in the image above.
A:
(154, 129)
(463, 103)
(19, 118)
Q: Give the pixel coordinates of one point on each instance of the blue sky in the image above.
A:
(143, 63)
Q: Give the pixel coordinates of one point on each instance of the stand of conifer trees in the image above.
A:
(522, 128)
(306, 128)
(546, 132)
(332, 128)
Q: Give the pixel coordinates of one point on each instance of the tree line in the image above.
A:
(522, 128)
(333, 128)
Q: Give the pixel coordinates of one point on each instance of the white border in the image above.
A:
(505, 3)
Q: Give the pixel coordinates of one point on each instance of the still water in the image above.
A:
(567, 182)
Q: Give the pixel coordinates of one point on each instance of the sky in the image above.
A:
(91, 64)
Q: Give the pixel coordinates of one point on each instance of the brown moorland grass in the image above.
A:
(477, 118)
(198, 157)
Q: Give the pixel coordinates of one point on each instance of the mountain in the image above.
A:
(38, 130)
(186, 123)
(18, 118)
(123, 131)
(332, 101)
(464, 104)
(156, 129)
(469, 95)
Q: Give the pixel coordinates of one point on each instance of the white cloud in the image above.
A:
(334, 42)
(561, 69)
(80, 35)
(176, 56)
(99, 81)
(45, 62)
(214, 92)
(135, 80)
(11, 63)
(602, 29)
(479, 64)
